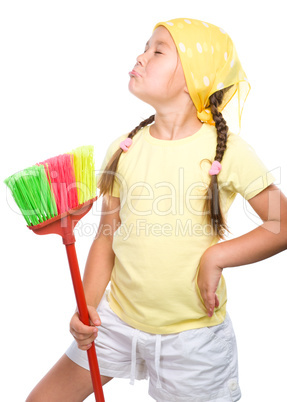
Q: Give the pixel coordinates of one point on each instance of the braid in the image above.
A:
(220, 124)
(106, 181)
(212, 203)
(144, 123)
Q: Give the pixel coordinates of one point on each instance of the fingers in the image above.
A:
(216, 301)
(210, 305)
(85, 334)
(210, 301)
(94, 316)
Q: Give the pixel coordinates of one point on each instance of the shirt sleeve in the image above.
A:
(109, 153)
(242, 169)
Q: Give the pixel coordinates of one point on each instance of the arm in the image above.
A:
(99, 266)
(263, 242)
(101, 257)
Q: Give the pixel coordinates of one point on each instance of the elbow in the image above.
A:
(285, 238)
(283, 234)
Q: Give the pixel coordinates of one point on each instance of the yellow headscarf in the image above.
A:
(210, 62)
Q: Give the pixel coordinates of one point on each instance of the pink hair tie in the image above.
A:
(215, 168)
(126, 144)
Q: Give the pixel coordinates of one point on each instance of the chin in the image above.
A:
(134, 92)
(141, 96)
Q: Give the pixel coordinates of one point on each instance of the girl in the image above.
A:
(167, 188)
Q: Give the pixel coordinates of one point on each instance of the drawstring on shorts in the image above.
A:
(134, 357)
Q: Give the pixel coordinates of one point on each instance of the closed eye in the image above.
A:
(155, 52)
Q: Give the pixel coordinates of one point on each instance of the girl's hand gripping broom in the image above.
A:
(53, 196)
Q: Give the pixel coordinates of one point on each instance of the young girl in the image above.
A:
(167, 187)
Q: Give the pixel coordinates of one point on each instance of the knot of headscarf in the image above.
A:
(206, 116)
(210, 63)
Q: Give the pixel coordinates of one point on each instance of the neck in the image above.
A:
(174, 126)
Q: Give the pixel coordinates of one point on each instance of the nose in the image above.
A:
(140, 59)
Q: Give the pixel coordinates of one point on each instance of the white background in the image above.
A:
(64, 77)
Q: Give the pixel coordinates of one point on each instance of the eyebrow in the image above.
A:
(158, 42)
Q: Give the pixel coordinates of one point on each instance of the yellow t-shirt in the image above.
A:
(163, 231)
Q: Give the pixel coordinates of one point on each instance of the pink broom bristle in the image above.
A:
(61, 175)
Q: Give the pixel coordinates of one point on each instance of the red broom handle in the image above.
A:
(84, 317)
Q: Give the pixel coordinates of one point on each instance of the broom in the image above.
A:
(53, 196)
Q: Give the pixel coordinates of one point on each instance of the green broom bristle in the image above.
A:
(32, 193)
(44, 190)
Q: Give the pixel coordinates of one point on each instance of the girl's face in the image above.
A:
(161, 79)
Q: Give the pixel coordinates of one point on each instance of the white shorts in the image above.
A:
(196, 365)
